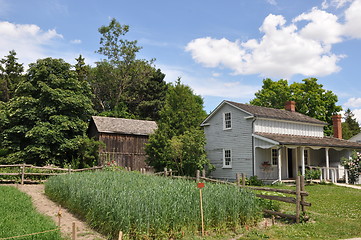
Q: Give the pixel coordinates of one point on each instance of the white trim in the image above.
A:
(225, 120)
(290, 121)
(224, 158)
(266, 139)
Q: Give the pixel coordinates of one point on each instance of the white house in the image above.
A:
(272, 144)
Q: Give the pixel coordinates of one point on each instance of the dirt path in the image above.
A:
(49, 208)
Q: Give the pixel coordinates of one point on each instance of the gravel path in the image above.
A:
(49, 208)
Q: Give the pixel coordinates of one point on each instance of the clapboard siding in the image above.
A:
(238, 139)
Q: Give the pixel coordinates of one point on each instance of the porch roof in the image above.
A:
(309, 141)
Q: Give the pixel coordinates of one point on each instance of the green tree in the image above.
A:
(48, 116)
(122, 84)
(178, 143)
(350, 126)
(310, 97)
(10, 75)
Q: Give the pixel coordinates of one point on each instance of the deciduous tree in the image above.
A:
(310, 97)
(178, 143)
(48, 116)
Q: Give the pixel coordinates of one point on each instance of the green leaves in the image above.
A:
(310, 97)
(178, 143)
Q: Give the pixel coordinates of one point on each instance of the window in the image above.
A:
(227, 158)
(306, 156)
(227, 120)
(274, 157)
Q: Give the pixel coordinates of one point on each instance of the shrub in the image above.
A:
(312, 174)
(353, 165)
(254, 181)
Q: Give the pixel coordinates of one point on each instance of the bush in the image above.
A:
(254, 181)
(312, 174)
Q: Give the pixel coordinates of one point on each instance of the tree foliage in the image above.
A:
(11, 73)
(48, 116)
(125, 86)
(310, 97)
(178, 143)
(350, 126)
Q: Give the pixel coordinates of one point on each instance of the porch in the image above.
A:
(280, 158)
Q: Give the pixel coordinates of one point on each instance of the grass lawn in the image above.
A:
(19, 217)
(335, 214)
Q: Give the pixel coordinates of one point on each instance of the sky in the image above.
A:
(221, 49)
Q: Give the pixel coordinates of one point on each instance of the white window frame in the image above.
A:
(274, 158)
(227, 122)
(306, 155)
(224, 158)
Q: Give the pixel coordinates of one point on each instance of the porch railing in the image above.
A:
(331, 173)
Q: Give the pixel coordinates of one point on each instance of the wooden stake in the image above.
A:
(201, 206)
(165, 172)
(302, 187)
(203, 173)
(69, 169)
(298, 199)
(73, 236)
(22, 174)
(198, 175)
(120, 236)
(59, 216)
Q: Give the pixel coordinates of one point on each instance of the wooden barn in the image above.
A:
(124, 140)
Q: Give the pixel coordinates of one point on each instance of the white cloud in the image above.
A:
(272, 2)
(201, 85)
(334, 3)
(357, 113)
(75, 41)
(284, 49)
(28, 40)
(353, 20)
(353, 103)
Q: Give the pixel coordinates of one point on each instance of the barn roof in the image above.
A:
(124, 126)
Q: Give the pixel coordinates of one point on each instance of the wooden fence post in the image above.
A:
(73, 235)
(22, 174)
(243, 180)
(238, 179)
(198, 173)
(120, 236)
(203, 173)
(170, 172)
(69, 169)
(165, 172)
(302, 188)
(298, 199)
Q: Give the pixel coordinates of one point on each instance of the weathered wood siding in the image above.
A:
(125, 150)
(238, 140)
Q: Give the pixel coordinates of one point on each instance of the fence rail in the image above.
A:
(22, 171)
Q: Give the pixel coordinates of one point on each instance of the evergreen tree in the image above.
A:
(350, 127)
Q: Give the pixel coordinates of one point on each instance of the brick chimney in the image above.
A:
(290, 106)
(337, 127)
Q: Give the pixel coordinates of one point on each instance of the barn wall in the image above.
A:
(125, 150)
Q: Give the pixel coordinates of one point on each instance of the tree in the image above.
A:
(122, 84)
(178, 143)
(350, 127)
(310, 97)
(10, 75)
(48, 116)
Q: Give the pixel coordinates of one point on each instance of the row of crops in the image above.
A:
(144, 206)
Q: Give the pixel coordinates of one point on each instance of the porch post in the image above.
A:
(303, 160)
(279, 164)
(327, 164)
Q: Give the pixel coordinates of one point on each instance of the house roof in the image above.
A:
(280, 114)
(124, 126)
(310, 141)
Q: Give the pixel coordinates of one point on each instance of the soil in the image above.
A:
(47, 207)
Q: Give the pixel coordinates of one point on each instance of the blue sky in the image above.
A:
(222, 49)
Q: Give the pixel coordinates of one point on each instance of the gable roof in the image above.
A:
(124, 126)
(282, 139)
(270, 113)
